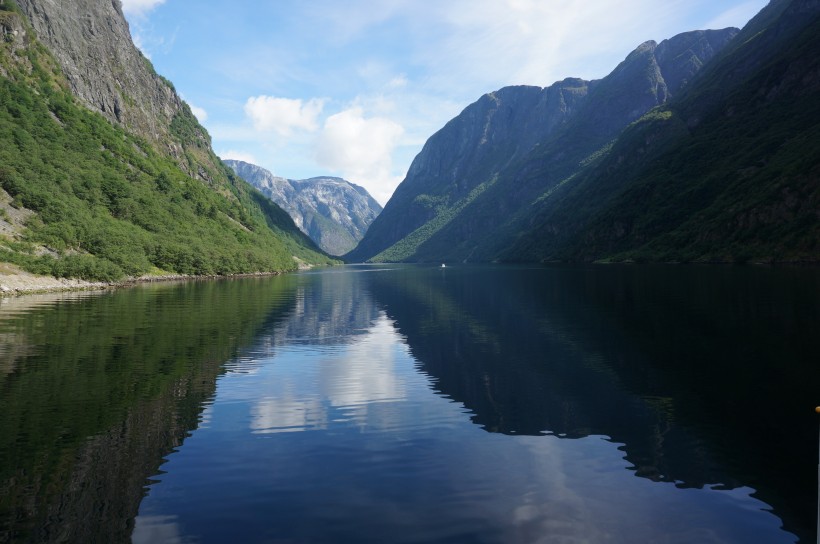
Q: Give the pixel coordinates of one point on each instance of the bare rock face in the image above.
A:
(12, 32)
(334, 212)
(92, 42)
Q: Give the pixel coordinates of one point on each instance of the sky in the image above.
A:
(354, 88)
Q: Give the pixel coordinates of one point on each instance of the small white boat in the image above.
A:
(443, 265)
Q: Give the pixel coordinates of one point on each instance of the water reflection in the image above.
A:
(411, 404)
(690, 368)
(331, 308)
(361, 447)
(100, 387)
(304, 392)
(335, 318)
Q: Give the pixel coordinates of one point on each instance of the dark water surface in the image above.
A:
(565, 404)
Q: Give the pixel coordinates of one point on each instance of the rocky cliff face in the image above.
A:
(332, 211)
(503, 151)
(92, 42)
(115, 173)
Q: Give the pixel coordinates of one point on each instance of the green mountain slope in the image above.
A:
(701, 148)
(728, 172)
(83, 197)
(477, 181)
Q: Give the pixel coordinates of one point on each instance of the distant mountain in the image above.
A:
(335, 213)
(104, 170)
(660, 160)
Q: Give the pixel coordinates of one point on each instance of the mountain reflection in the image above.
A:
(688, 368)
(345, 421)
(345, 395)
(98, 388)
(331, 307)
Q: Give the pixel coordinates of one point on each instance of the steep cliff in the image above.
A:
(92, 43)
(334, 212)
(475, 180)
(730, 171)
(105, 172)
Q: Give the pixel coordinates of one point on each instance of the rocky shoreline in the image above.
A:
(15, 281)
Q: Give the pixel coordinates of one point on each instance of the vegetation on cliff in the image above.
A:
(729, 172)
(702, 148)
(107, 203)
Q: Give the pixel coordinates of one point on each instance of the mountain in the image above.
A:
(334, 212)
(104, 170)
(468, 182)
(699, 148)
(728, 172)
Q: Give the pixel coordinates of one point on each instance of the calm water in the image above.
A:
(567, 404)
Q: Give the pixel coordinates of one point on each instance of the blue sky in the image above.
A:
(354, 88)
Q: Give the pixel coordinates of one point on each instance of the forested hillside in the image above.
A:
(702, 148)
(94, 197)
(729, 172)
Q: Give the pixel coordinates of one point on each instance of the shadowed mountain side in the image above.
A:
(727, 172)
(475, 181)
(614, 352)
(454, 161)
(128, 394)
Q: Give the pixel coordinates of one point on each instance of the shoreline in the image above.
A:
(17, 282)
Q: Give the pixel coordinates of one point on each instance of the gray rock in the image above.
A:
(335, 213)
(92, 42)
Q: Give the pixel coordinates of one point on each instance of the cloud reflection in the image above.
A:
(366, 372)
(283, 415)
(153, 529)
(306, 390)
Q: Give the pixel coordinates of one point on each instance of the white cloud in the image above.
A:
(537, 43)
(283, 115)
(396, 66)
(237, 156)
(136, 37)
(199, 113)
(139, 7)
(398, 82)
(137, 14)
(361, 149)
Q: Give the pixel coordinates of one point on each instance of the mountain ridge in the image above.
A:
(701, 148)
(753, 198)
(569, 129)
(333, 212)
